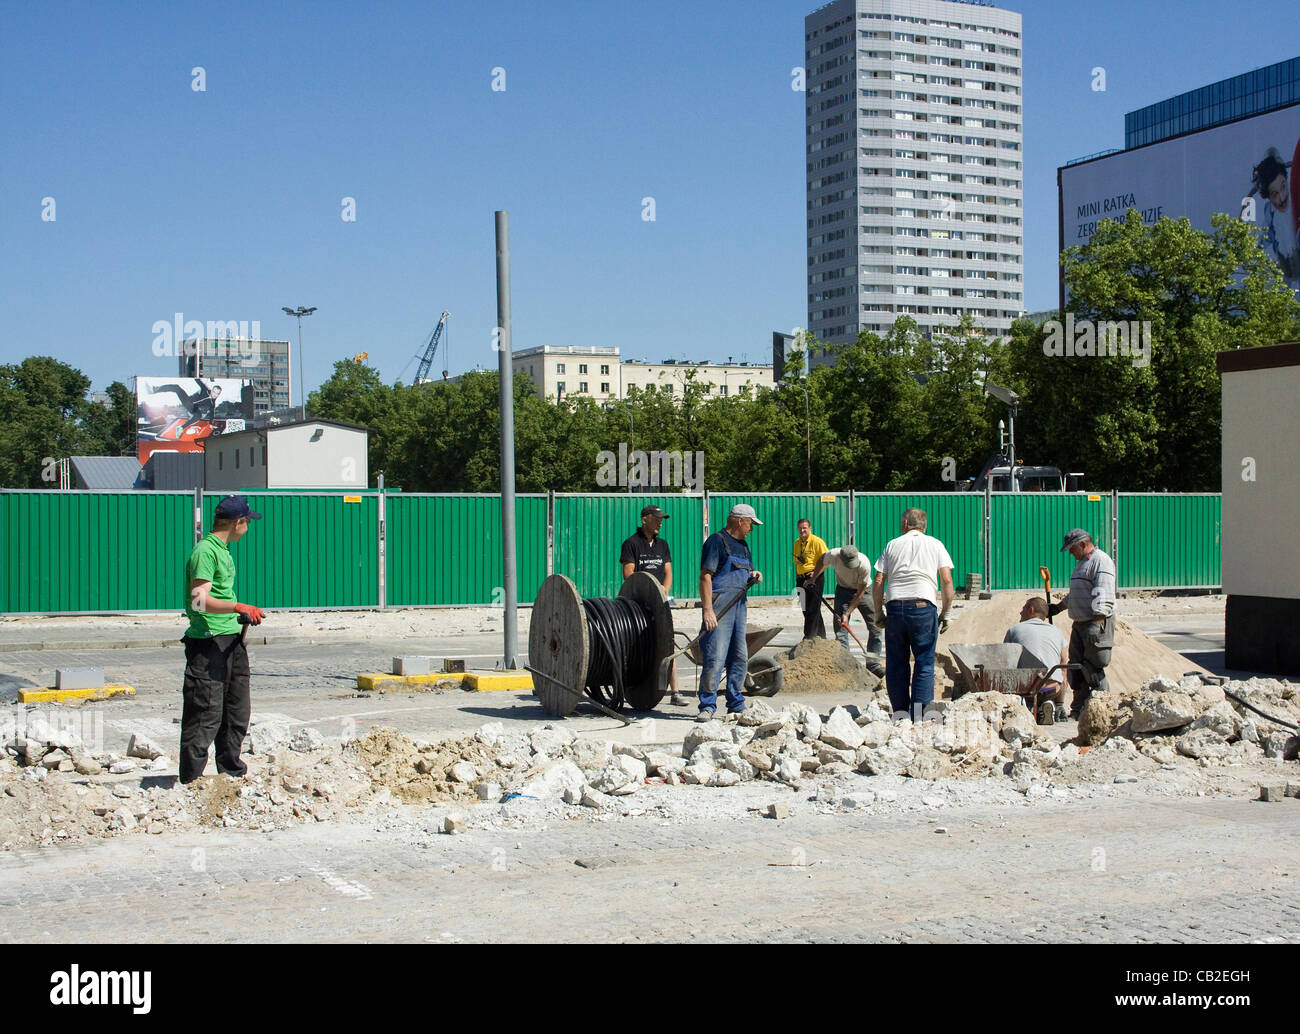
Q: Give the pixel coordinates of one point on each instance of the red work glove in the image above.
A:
(253, 614)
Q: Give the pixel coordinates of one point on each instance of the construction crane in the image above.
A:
(430, 347)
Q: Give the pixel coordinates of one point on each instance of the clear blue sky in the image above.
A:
(226, 204)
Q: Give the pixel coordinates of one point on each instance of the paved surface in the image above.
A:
(1199, 871)
(1162, 870)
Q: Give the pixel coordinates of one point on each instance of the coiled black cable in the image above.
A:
(622, 647)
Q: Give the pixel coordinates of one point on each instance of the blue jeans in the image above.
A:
(866, 607)
(724, 649)
(910, 631)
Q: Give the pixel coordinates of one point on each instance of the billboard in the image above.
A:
(178, 413)
(1249, 169)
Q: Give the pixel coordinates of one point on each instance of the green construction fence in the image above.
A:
(85, 552)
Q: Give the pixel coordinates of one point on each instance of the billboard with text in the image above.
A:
(1248, 169)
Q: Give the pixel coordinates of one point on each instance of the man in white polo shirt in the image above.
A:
(914, 565)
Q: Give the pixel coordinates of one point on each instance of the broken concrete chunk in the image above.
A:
(1156, 710)
(778, 810)
(140, 747)
(306, 740)
(454, 824)
(841, 731)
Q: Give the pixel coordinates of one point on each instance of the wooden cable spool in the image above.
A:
(560, 644)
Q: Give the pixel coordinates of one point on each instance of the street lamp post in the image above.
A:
(300, 312)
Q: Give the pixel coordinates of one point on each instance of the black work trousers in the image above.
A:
(814, 625)
(217, 705)
(1091, 643)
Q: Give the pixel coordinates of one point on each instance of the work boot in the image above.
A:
(678, 700)
(704, 716)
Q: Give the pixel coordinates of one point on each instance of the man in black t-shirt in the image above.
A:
(644, 550)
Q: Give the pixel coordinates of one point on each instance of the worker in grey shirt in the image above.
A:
(1049, 648)
(1091, 604)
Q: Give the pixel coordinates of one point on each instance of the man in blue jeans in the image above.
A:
(914, 565)
(725, 567)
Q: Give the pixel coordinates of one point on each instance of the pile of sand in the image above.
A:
(824, 666)
(1135, 659)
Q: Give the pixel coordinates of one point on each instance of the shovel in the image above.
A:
(665, 666)
(1046, 576)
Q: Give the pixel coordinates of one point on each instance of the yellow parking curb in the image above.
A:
(383, 682)
(63, 696)
(500, 681)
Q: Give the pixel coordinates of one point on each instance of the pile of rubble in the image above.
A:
(1166, 720)
(984, 735)
(57, 790)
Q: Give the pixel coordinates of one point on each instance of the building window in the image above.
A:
(251, 461)
(582, 367)
(559, 368)
(236, 459)
(582, 386)
(559, 387)
(724, 390)
(604, 387)
(604, 369)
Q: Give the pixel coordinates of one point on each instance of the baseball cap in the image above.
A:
(744, 510)
(1073, 536)
(236, 506)
(653, 511)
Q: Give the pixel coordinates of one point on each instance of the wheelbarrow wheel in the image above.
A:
(763, 677)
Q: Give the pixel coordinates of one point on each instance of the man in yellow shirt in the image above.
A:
(808, 549)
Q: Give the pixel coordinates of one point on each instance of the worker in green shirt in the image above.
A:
(217, 702)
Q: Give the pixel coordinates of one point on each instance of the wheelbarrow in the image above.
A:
(1003, 668)
(763, 676)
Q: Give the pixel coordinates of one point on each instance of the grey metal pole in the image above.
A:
(509, 659)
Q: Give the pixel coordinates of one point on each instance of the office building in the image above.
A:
(914, 166)
(266, 363)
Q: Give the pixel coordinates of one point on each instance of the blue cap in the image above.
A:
(234, 507)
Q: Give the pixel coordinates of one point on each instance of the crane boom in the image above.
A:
(430, 347)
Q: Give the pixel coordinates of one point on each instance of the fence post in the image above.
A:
(852, 522)
(381, 546)
(704, 501)
(550, 532)
(988, 535)
(1114, 532)
(198, 515)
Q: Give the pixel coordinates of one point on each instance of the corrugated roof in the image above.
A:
(100, 472)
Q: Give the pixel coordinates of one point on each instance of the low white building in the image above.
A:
(309, 454)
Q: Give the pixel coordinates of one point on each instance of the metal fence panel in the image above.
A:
(309, 550)
(1028, 529)
(590, 529)
(446, 549)
(93, 551)
(955, 518)
(1170, 541)
(772, 545)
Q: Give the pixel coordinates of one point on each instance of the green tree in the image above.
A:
(1155, 426)
(110, 430)
(41, 401)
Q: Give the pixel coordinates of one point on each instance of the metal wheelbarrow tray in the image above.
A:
(1001, 668)
(765, 676)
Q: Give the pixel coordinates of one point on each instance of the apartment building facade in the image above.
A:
(914, 129)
